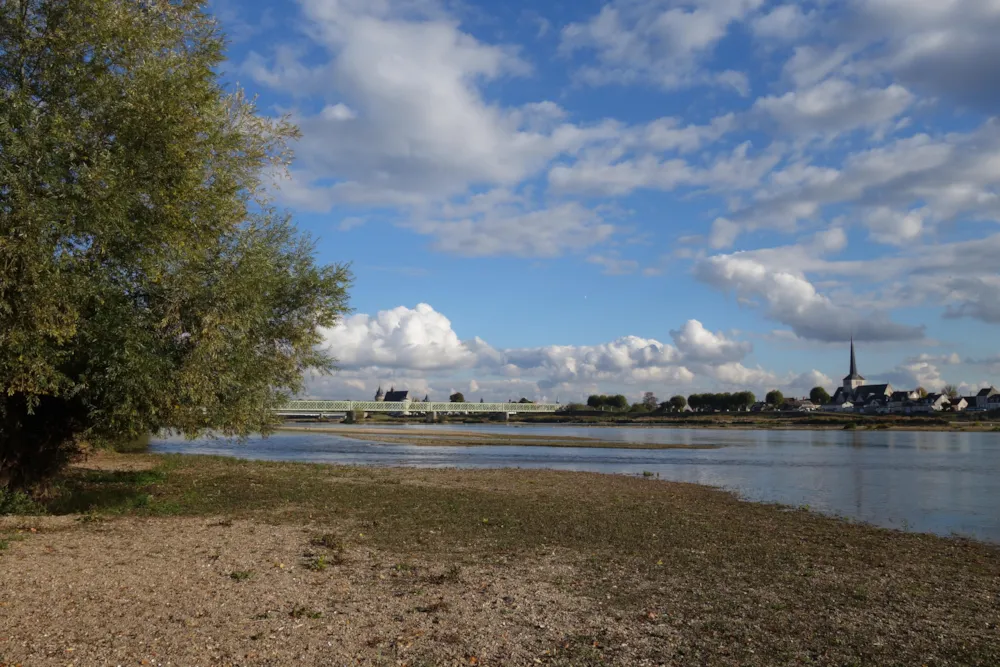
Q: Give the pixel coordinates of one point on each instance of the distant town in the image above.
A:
(853, 396)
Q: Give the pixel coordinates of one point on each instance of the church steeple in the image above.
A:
(854, 380)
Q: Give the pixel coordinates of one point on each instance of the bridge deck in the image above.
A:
(323, 407)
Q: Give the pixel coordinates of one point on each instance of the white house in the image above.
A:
(932, 403)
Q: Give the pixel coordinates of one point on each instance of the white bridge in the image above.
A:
(320, 408)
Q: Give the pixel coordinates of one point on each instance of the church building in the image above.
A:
(855, 391)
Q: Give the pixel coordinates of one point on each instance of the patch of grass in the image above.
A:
(83, 491)
(333, 545)
(137, 446)
(317, 563)
(7, 538)
(240, 575)
(90, 517)
(578, 650)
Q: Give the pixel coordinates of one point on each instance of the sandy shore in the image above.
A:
(456, 438)
(179, 560)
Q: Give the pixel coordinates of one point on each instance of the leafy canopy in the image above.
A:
(774, 397)
(146, 281)
(819, 396)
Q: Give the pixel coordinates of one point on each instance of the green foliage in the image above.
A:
(317, 563)
(819, 396)
(950, 390)
(741, 400)
(17, 502)
(650, 401)
(775, 398)
(616, 402)
(146, 280)
(457, 397)
(678, 403)
(240, 575)
(524, 400)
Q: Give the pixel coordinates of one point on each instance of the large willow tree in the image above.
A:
(146, 281)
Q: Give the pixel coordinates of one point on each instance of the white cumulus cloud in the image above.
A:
(418, 339)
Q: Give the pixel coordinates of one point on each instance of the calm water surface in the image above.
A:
(916, 480)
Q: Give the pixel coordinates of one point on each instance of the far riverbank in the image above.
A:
(973, 422)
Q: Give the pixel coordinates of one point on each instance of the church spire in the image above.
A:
(854, 380)
(854, 364)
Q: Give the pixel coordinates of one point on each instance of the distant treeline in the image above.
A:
(726, 401)
(741, 400)
(616, 402)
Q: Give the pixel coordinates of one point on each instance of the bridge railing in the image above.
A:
(323, 407)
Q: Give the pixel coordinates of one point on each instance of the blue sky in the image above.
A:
(555, 199)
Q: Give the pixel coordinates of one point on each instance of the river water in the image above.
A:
(924, 481)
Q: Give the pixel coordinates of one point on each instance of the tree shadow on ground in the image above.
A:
(103, 491)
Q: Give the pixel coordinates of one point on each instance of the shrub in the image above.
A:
(17, 502)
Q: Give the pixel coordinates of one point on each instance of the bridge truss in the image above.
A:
(309, 408)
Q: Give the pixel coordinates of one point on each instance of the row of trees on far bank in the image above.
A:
(602, 402)
(725, 401)
(741, 400)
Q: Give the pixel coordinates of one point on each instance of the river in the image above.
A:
(927, 481)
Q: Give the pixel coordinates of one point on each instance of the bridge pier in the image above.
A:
(432, 417)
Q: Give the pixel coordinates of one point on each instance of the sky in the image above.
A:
(549, 200)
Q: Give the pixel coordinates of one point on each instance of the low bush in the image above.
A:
(17, 502)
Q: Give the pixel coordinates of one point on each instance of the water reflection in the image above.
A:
(920, 480)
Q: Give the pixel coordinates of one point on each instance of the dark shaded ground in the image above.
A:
(218, 561)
